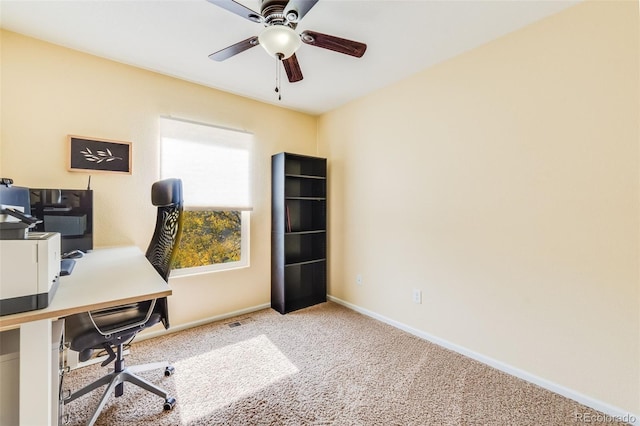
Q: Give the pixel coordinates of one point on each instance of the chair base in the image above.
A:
(117, 378)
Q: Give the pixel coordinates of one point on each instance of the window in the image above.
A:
(214, 165)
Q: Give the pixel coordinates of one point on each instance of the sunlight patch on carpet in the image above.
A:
(214, 379)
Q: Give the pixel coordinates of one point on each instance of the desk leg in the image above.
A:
(35, 373)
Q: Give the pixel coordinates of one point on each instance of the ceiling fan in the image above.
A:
(278, 38)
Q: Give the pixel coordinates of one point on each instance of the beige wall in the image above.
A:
(49, 92)
(504, 184)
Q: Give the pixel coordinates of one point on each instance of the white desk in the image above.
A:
(102, 278)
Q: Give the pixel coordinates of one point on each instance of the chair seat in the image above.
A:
(86, 337)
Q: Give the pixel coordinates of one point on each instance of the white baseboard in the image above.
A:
(607, 409)
(162, 331)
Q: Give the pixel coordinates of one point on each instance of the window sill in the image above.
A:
(201, 270)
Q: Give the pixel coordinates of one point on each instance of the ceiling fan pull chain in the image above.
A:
(278, 60)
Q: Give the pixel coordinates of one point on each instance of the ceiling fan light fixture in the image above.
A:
(280, 41)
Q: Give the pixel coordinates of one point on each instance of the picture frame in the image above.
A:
(88, 154)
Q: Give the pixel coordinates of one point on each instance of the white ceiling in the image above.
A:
(175, 37)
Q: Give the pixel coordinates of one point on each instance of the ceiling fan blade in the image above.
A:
(299, 8)
(337, 44)
(234, 49)
(292, 67)
(238, 9)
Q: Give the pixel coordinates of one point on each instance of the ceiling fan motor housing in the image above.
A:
(273, 12)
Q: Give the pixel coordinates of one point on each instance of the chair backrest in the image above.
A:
(167, 196)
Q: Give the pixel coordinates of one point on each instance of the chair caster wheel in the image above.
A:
(169, 403)
(169, 370)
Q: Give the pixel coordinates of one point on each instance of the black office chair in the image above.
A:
(114, 327)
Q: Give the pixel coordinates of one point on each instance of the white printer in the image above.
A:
(29, 272)
(29, 261)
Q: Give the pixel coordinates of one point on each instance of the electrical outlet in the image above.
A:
(417, 296)
(359, 279)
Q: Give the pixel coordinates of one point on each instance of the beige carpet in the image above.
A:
(324, 365)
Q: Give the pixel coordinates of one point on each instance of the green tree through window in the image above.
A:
(209, 237)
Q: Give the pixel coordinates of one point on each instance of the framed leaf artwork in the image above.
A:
(101, 155)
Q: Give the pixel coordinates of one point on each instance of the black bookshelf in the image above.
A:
(298, 231)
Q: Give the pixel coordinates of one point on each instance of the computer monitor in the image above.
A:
(67, 211)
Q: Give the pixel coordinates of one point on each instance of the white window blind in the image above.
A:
(213, 163)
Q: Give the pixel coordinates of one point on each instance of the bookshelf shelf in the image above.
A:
(308, 262)
(306, 176)
(305, 232)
